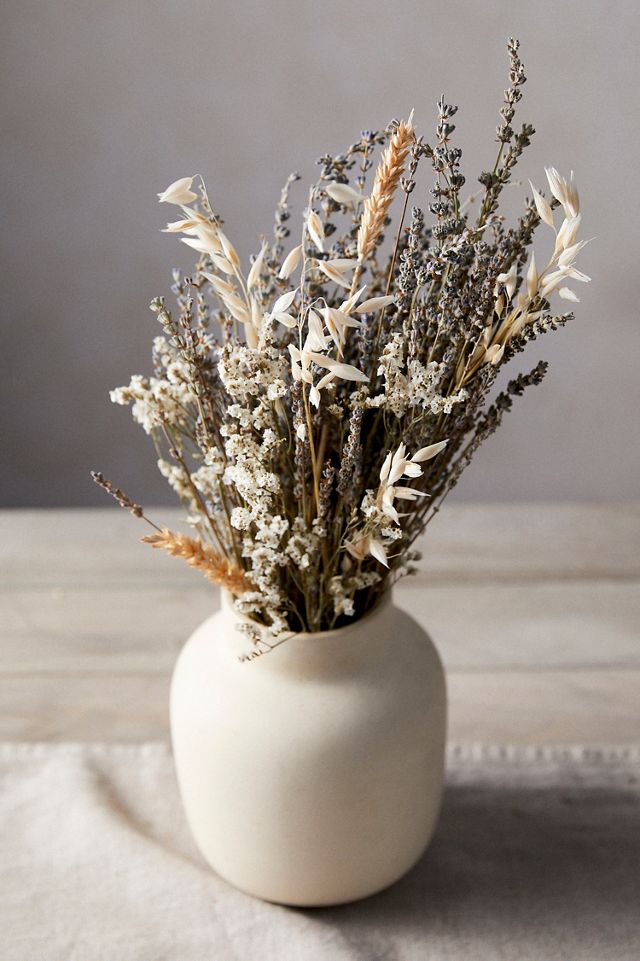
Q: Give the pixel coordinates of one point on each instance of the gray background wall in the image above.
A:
(106, 103)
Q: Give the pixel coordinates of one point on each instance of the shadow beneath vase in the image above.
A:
(550, 869)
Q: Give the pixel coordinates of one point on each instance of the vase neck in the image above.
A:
(323, 653)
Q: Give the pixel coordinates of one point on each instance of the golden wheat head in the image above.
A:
(216, 568)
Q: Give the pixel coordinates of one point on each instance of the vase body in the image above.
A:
(311, 775)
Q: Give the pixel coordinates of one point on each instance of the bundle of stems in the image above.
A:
(312, 412)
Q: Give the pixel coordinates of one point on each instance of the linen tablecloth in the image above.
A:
(537, 856)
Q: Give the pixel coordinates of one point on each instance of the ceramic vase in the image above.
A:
(311, 775)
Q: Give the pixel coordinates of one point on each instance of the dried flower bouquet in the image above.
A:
(312, 413)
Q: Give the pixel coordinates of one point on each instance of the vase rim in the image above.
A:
(384, 602)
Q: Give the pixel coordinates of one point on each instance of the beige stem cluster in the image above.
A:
(388, 174)
(216, 568)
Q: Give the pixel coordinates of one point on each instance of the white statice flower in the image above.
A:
(339, 590)
(177, 372)
(444, 405)
(299, 550)
(265, 564)
(249, 440)
(162, 352)
(410, 385)
(214, 461)
(343, 587)
(271, 530)
(155, 401)
(179, 483)
(269, 438)
(241, 518)
(277, 389)
(207, 480)
(242, 414)
(248, 372)
(396, 396)
(248, 603)
(303, 544)
(278, 624)
(424, 381)
(253, 482)
(390, 533)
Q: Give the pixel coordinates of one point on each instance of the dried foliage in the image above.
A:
(312, 413)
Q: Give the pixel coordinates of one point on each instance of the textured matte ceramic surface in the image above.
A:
(311, 775)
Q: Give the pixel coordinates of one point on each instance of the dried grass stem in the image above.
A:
(213, 565)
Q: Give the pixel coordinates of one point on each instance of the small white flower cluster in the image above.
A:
(343, 587)
(303, 544)
(249, 373)
(412, 384)
(254, 379)
(248, 470)
(207, 478)
(155, 401)
(179, 482)
(162, 354)
(342, 599)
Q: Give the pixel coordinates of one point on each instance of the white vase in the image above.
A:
(311, 775)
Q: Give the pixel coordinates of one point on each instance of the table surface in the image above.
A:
(535, 609)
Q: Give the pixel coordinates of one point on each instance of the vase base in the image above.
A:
(311, 776)
(328, 901)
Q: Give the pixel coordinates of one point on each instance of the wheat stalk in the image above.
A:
(386, 181)
(215, 568)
